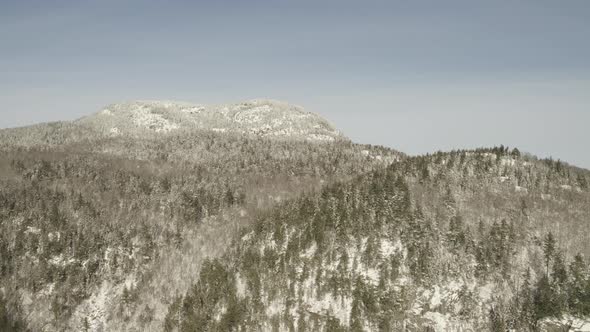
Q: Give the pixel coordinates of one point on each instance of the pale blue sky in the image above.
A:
(413, 75)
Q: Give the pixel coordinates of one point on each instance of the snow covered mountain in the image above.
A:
(166, 216)
(265, 118)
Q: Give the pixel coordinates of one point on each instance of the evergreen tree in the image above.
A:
(560, 283)
(545, 300)
(548, 249)
(527, 316)
(579, 292)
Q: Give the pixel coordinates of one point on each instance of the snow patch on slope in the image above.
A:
(567, 321)
(94, 309)
(145, 118)
(253, 115)
(439, 320)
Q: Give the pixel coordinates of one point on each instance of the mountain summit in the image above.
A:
(266, 118)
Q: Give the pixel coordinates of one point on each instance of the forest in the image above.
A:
(370, 254)
(199, 230)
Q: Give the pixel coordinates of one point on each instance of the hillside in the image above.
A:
(151, 216)
(481, 240)
(86, 216)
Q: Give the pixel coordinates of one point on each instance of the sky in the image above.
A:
(417, 76)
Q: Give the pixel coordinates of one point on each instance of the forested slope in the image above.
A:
(152, 216)
(102, 232)
(484, 240)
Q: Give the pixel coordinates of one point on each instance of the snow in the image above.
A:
(281, 132)
(389, 248)
(264, 118)
(278, 122)
(309, 252)
(439, 320)
(146, 119)
(193, 110)
(403, 280)
(263, 130)
(339, 308)
(96, 307)
(17, 221)
(47, 290)
(54, 236)
(240, 286)
(566, 187)
(60, 260)
(107, 254)
(575, 323)
(32, 230)
(253, 115)
(485, 292)
(508, 162)
(275, 307)
(247, 237)
(371, 274)
(416, 309)
(436, 298)
(492, 156)
(318, 137)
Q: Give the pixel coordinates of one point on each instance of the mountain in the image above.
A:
(86, 215)
(152, 216)
(153, 119)
(265, 118)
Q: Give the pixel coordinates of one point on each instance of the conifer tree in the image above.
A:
(548, 250)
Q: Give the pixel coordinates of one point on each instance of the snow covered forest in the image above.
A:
(259, 216)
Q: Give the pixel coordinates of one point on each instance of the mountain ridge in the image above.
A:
(260, 117)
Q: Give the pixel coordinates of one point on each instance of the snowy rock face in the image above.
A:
(265, 118)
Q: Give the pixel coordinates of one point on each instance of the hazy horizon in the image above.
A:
(418, 77)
